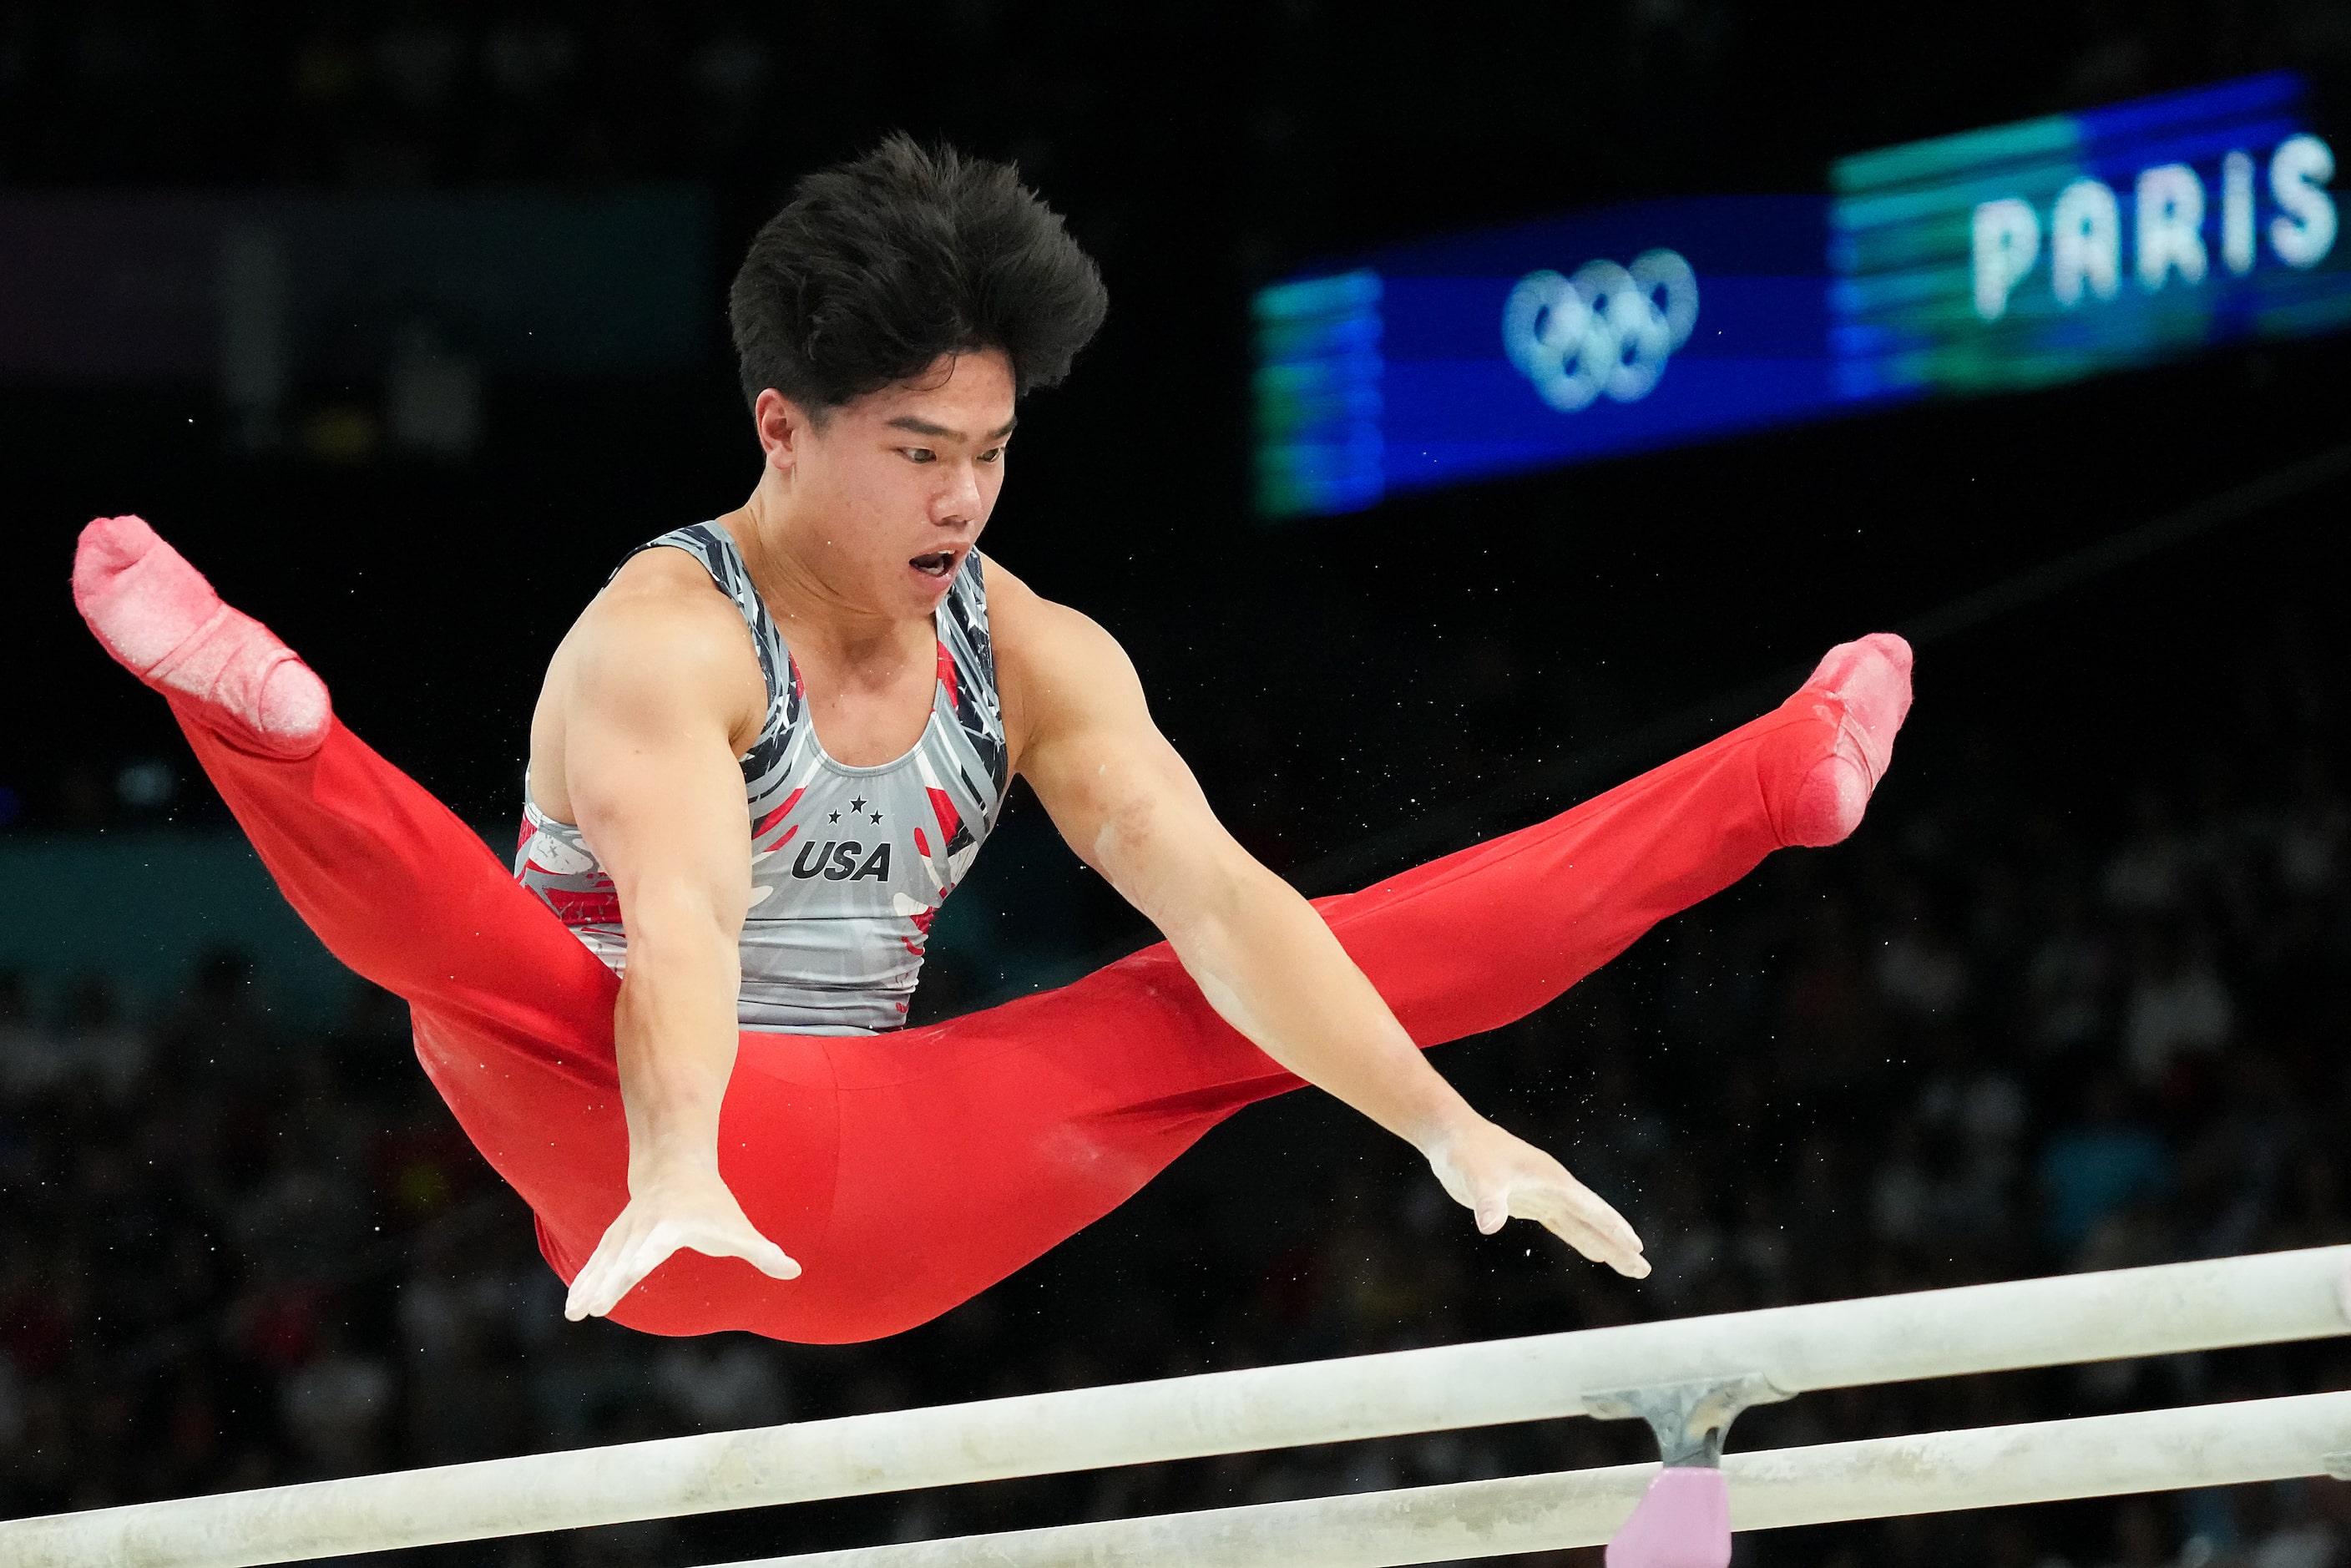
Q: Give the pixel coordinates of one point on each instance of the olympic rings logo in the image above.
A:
(1608, 329)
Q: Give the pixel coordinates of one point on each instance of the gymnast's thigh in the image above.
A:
(779, 1151)
(547, 1115)
(970, 1147)
(904, 1172)
(541, 1103)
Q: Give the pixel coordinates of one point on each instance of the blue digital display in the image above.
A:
(2001, 258)
(1640, 326)
(2060, 248)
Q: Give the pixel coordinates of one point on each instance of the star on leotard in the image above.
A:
(834, 818)
(877, 817)
(858, 804)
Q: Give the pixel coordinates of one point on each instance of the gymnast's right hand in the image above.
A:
(673, 1208)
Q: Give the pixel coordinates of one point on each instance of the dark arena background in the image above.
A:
(405, 321)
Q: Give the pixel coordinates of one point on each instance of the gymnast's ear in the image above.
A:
(784, 427)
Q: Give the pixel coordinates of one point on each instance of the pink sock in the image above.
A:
(1683, 1521)
(163, 622)
(1868, 681)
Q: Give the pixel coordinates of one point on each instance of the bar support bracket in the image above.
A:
(1690, 1419)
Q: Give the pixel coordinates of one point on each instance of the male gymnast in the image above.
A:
(768, 751)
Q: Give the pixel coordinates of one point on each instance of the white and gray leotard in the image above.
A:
(848, 864)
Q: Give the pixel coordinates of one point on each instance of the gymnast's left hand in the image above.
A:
(1499, 1177)
(675, 1209)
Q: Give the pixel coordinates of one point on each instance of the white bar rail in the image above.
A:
(2100, 1455)
(2170, 1308)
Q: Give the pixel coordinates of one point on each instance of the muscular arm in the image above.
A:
(646, 687)
(1263, 958)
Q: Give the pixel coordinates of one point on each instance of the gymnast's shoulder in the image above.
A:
(661, 628)
(1055, 665)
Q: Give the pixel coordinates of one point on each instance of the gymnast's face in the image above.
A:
(889, 492)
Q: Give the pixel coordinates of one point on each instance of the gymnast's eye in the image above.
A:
(992, 454)
(918, 455)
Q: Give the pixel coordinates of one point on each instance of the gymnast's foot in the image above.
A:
(163, 622)
(1868, 683)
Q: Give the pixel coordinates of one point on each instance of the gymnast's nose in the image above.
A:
(961, 500)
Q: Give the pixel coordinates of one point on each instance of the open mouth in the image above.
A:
(938, 563)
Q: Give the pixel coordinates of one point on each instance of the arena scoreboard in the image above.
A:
(2006, 258)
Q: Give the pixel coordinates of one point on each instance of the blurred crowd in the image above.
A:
(2008, 1030)
(421, 92)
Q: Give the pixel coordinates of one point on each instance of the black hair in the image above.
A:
(877, 267)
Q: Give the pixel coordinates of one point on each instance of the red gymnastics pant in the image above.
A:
(908, 1171)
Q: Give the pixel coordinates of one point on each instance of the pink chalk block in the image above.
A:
(1683, 1521)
